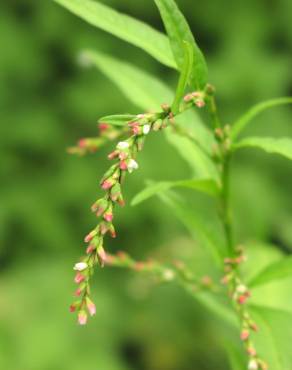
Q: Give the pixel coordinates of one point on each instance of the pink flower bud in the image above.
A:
(113, 154)
(200, 103)
(82, 317)
(244, 335)
(188, 98)
(78, 292)
(136, 129)
(102, 256)
(90, 249)
(72, 307)
(253, 327)
(108, 216)
(91, 307)
(123, 165)
(79, 278)
(82, 143)
(242, 299)
(90, 236)
(251, 351)
(107, 184)
(123, 156)
(103, 126)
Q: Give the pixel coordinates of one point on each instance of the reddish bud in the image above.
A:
(82, 317)
(79, 278)
(90, 249)
(254, 327)
(102, 256)
(90, 236)
(103, 126)
(91, 307)
(113, 154)
(123, 165)
(78, 292)
(107, 184)
(72, 308)
(82, 143)
(251, 351)
(108, 216)
(200, 103)
(242, 299)
(244, 335)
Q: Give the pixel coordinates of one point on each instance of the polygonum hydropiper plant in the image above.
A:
(193, 92)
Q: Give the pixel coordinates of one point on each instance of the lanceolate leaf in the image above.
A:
(147, 92)
(123, 26)
(184, 76)
(270, 145)
(179, 31)
(196, 224)
(273, 341)
(276, 271)
(118, 119)
(254, 111)
(207, 186)
(142, 89)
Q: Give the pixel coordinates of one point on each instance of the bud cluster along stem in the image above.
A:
(239, 294)
(177, 271)
(125, 155)
(238, 291)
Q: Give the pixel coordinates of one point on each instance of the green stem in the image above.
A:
(211, 103)
(225, 204)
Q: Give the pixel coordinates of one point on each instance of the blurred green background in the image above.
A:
(47, 103)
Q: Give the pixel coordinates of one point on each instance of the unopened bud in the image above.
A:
(123, 145)
(80, 266)
(82, 317)
(253, 365)
(244, 335)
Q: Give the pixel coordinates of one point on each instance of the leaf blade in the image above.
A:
(243, 121)
(117, 119)
(124, 27)
(184, 76)
(282, 146)
(275, 271)
(206, 186)
(179, 31)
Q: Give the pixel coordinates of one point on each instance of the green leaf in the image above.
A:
(281, 146)
(117, 119)
(147, 92)
(254, 111)
(201, 164)
(184, 76)
(144, 90)
(207, 186)
(273, 341)
(196, 224)
(179, 31)
(275, 271)
(123, 26)
(236, 357)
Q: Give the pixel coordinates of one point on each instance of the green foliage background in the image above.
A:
(47, 102)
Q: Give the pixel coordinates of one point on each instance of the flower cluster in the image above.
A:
(239, 293)
(125, 153)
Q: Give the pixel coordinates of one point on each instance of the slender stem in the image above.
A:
(214, 112)
(225, 204)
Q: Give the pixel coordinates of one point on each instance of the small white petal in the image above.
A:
(146, 129)
(132, 165)
(80, 266)
(123, 145)
(253, 365)
(168, 275)
(241, 288)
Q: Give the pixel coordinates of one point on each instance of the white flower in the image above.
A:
(132, 165)
(241, 288)
(168, 275)
(80, 266)
(253, 365)
(146, 129)
(123, 145)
